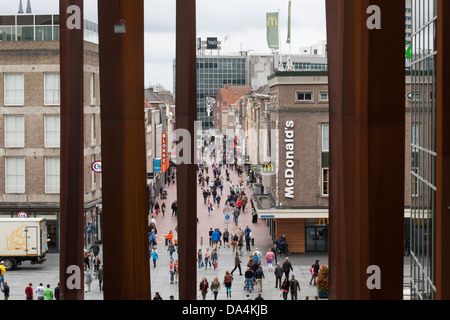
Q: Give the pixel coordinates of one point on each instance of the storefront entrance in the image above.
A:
(316, 238)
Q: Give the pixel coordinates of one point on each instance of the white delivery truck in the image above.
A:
(22, 239)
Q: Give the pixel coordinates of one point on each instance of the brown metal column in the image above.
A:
(124, 193)
(72, 152)
(367, 148)
(443, 152)
(186, 115)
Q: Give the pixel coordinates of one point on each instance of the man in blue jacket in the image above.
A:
(215, 237)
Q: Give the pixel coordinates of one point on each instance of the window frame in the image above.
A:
(7, 185)
(320, 96)
(46, 143)
(5, 91)
(22, 144)
(297, 92)
(57, 189)
(46, 103)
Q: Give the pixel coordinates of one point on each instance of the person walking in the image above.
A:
(171, 271)
(203, 288)
(259, 275)
(215, 287)
(2, 273)
(154, 256)
(174, 208)
(175, 271)
(5, 290)
(100, 278)
(29, 292)
(270, 257)
(226, 236)
(285, 288)
(236, 215)
(152, 238)
(227, 281)
(95, 248)
(218, 201)
(295, 287)
(56, 291)
(156, 208)
(287, 267)
(48, 293)
(171, 249)
(40, 292)
(315, 271)
(214, 258)
(87, 281)
(206, 259)
(200, 259)
(163, 208)
(235, 242)
(237, 264)
(210, 207)
(215, 237)
(248, 239)
(278, 275)
(248, 279)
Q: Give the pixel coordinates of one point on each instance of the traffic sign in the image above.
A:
(227, 219)
(227, 210)
(96, 166)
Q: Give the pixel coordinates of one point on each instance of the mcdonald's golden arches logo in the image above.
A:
(268, 168)
(272, 20)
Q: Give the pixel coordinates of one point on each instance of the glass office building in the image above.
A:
(30, 27)
(423, 149)
(214, 72)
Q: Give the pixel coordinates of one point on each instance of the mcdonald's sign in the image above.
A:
(272, 20)
(268, 168)
(272, 30)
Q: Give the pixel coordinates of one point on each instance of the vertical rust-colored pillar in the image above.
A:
(443, 152)
(367, 148)
(124, 193)
(71, 152)
(186, 115)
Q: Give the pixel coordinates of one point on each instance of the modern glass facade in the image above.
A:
(29, 27)
(423, 149)
(214, 72)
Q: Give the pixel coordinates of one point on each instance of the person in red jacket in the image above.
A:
(29, 292)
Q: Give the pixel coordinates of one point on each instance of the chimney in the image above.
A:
(28, 7)
(20, 7)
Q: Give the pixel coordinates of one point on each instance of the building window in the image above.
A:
(325, 182)
(323, 96)
(304, 96)
(52, 129)
(92, 89)
(15, 175)
(325, 161)
(14, 132)
(52, 174)
(93, 142)
(325, 137)
(51, 89)
(14, 93)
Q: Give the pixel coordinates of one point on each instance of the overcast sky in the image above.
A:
(242, 20)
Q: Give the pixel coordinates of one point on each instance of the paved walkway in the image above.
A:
(48, 273)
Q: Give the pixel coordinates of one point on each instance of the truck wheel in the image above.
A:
(10, 263)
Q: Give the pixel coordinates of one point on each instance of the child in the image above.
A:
(154, 256)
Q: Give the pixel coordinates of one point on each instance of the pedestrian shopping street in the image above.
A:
(48, 273)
